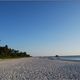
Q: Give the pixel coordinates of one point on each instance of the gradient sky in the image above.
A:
(41, 28)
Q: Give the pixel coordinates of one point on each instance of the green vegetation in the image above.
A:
(6, 52)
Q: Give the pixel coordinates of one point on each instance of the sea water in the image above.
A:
(71, 58)
(76, 58)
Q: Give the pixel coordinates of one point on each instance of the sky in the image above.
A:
(41, 28)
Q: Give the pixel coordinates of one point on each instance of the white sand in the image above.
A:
(39, 69)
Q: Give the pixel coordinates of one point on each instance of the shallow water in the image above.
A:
(72, 58)
(76, 58)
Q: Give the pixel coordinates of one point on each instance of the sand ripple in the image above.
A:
(39, 69)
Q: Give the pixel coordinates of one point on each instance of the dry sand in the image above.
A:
(39, 69)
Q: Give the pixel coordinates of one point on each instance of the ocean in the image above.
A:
(70, 58)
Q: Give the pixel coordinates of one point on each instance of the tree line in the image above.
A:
(6, 52)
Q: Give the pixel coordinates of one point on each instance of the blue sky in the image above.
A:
(41, 28)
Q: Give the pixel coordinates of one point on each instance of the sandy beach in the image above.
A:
(39, 69)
